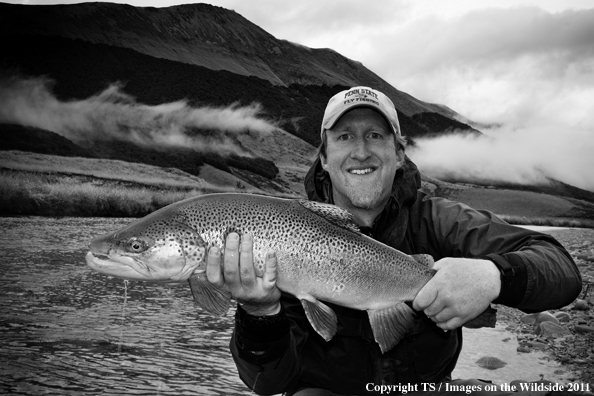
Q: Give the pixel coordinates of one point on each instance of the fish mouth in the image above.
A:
(107, 265)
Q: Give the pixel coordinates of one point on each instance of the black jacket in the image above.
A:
(283, 353)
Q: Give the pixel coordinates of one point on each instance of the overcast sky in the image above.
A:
(528, 65)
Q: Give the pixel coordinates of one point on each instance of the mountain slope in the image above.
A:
(203, 35)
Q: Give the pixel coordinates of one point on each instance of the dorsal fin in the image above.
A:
(332, 213)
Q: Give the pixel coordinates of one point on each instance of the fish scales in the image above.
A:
(343, 261)
(320, 253)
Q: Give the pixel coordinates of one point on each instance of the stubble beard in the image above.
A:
(364, 198)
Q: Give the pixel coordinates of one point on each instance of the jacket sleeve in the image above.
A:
(266, 350)
(543, 274)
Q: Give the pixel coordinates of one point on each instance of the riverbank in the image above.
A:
(572, 342)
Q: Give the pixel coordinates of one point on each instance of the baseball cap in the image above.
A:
(360, 97)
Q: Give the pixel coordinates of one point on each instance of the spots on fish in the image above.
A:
(307, 245)
(338, 288)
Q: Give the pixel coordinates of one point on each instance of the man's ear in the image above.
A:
(400, 158)
(324, 162)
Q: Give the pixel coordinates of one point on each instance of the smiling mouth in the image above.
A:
(363, 171)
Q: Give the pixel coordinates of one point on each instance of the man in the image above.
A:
(480, 259)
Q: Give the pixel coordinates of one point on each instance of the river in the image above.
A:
(67, 330)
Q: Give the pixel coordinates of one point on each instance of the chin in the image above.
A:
(366, 200)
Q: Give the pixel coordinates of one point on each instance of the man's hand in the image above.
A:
(254, 289)
(460, 291)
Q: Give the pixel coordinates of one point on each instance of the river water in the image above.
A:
(67, 330)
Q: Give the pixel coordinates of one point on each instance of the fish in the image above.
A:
(322, 257)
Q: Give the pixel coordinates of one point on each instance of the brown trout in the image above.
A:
(321, 255)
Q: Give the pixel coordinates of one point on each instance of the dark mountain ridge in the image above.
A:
(81, 69)
(203, 35)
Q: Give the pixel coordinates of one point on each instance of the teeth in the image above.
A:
(361, 171)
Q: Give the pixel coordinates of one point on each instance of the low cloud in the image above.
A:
(115, 115)
(528, 155)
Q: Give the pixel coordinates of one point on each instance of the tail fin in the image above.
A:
(211, 298)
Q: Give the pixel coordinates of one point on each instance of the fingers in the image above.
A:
(246, 261)
(427, 301)
(425, 297)
(231, 259)
(238, 268)
(253, 286)
(269, 276)
(213, 267)
(459, 291)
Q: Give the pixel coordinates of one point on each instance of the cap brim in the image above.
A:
(331, 121)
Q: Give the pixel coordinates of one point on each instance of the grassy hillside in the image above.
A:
(39, 184)
(48, 185)
(521, 204)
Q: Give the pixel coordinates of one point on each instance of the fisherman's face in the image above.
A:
(361, 159)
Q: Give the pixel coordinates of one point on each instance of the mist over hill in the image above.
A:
(182, 87)
(88, 73)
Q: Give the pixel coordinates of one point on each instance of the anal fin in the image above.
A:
(211, 298)
(321, 317)
(389, 325)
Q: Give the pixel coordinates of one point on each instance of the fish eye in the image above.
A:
(136, 245)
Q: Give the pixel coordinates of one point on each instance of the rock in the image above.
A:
(546, 316)
(530, 318)
(563, 317)
(490, 363)
(516, 383)
(581, 305)
(523, 349)
(537, 345)
(582, 329)
(552, 330)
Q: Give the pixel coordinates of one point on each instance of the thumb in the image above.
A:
(425, 297)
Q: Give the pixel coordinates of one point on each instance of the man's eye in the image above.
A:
(343, 137)
(376, 136)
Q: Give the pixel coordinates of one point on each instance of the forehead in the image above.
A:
(362, 115)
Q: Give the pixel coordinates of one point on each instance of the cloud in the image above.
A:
(113, 114)
(526, 155)
(472, 61)
(530, 71)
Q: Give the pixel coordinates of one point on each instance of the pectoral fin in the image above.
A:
(321, 317)
(211, 298)
(389, 325)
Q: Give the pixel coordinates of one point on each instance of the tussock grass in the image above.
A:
(26, 194)
(549, 221)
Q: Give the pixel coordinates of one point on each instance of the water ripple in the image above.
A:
(63, 332)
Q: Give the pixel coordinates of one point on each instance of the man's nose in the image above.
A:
(361, 150)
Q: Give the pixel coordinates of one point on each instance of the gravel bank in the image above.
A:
(566, 334)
